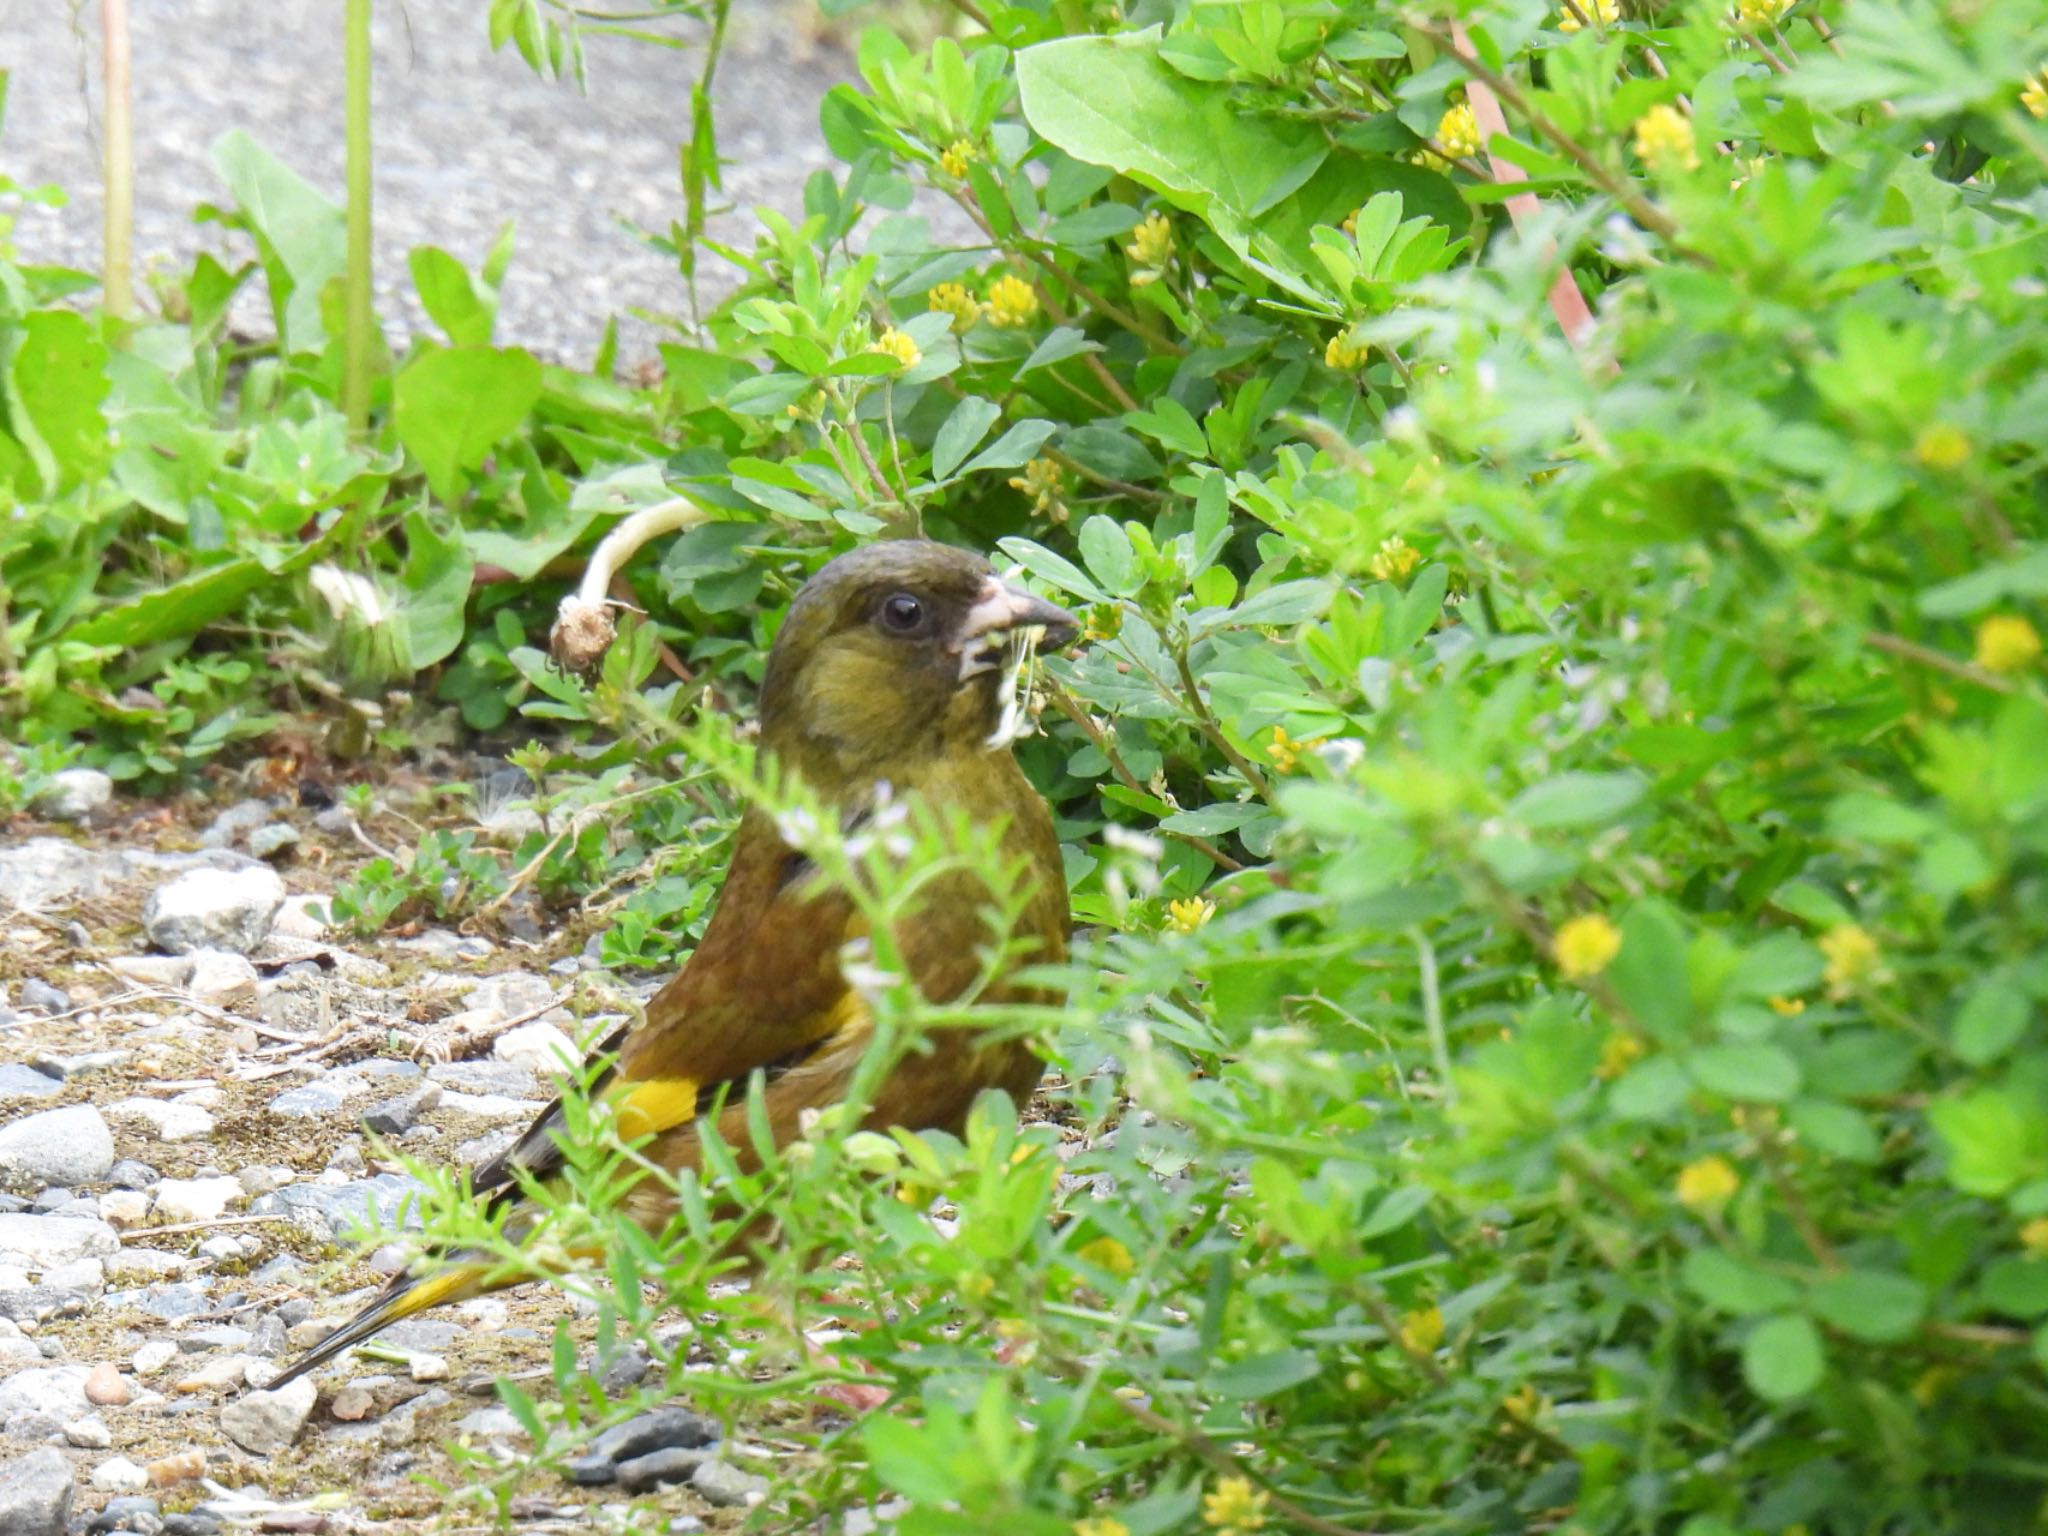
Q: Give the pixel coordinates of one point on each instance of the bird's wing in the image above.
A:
(762, 991)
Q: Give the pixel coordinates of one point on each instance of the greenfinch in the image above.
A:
(893, 679)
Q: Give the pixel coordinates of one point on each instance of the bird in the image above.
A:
(893, 679)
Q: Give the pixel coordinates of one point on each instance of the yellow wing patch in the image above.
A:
(648, 1106)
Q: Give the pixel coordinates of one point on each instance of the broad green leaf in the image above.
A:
(1013, 448)
(1755, 1072)
(56, 386)
(1259, 1376)
(965, 427)
(454, 405)
(464, 309)
(1731, 1285)
(1057, 569)
(182, 608)
(1576, 800)
(1783, 1358)
(1990, 1022)
(1106, 550)
(1873, 1305)
(437, 576)
(2017, 1287)
(1993, 1138)
(301, 234)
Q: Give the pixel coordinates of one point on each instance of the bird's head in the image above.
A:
(895, 651)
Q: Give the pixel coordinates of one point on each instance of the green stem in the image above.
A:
(118, 281)
(357, 349)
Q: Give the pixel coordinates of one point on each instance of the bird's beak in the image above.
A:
(1000, 612)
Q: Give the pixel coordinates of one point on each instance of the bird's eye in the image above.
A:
(902, 614)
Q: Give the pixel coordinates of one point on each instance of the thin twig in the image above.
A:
(202, 1226)
(1927, 656)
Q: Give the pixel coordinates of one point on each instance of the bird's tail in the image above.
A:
(404, 1296)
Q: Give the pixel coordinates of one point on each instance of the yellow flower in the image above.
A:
(1011, 302)
(958, 156)
(1617, 1055)
(1101, 1525)
(1606, 12)
(1707, 1185)
(1585, 946)
(1151, 248)
(1234, 1505)
(1788, 1007)
(1107, 1253)
(2034, 1237)
(1344, 354)
(952, 299)
(1422, 1330)
(1525, 1404)
(1852, 956)
(894, 343)
(1189, 913)
(1942, 445)
(1042, 481)
(2034, 94)
(1350, 225)
(1457, 132)
(1395, 559)
(1760, 13)
(1285, 751)
(977, 1286)
(2007, 643)
(1664, 139)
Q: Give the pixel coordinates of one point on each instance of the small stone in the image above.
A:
(35, 1494)
(395, 1116)
(37, 993)
(302, 917)
(492, 1106)
(192, 1523)
(169, 1471)
(53, 1391)
(491, 1423)
(55, 1146)
(500, 1077)
(88, 1275)
(144, 1264)
(273, 841)
(47, 1241)
(257, 1179)
(306, 1101)
(73, 794)
(130, 1174)
(89, 1433)
(124, 1207)
(227, 1371)
(221, 979)
(131, 1512)
(118, 1474)
(213, 909)
(168, 1120)
(153, 1357)
(169, 1302)
(105, 1387)
(352, 1405)
(539, 1046)
(183, 1200)
(661, 1429)
(725, 1486)
(231, 824)
(671, 1464)
(267, 1338)
(624, 1371)
(20, 1082)
(151, 970)
(427, 1368)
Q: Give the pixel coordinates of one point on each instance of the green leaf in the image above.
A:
(182, 608)
(1755, 1072)
(1990, 1022)
(1649, 975)
(1835, 1130)
(965, 427)
(1730, 1285)
(437, 576)
(1992, 1140)
(1654, 1091)
(1107, 552)
(55, 387)
(1576, 800)
(1259, 1376)
(301, 235)
(463, 309)
(1400, 1207)
(2017, 1287)
(1783, 1358)
(1873, 1305)
(453, 405)
(1013, 448)
(1057, 569)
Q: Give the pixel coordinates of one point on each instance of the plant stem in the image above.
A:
(117, 260)
(355, 382)
(1071, 707)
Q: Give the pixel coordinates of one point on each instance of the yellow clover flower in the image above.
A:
(1942, 445)
(1664, 139)
(1395, 560)
(1285, 751)
(1188, 913)
(1012, 302)
(1606, 12)
(1101, 1525)
(1422, 1330)
(958, 155)
(1344, 354)
(1852, 956)
(896, 344)
(1234, 1505)
(1760, 13)
(1042, 481)
(2034, 94)
(1707, 1185)
(1617, 1055)
(1151, 248)
(1585, 946)
(1107, 1253)
(1457, 132)
(2007, 643)
(2034, 1237)
(952, 299)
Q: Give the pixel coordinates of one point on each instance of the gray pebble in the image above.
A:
(671, 1464)
(725, 1486)
(35, 1494)
(73, 794)
(395, 1116)
(305, 1101)
(192, 1523)
(20, 1082)
(51, 1199)
(233, 823)
(271, 841)
(506, 1078)
(56, 1146)
(213, 909)
(131, 1512)
(38, 993)
(131, 1174)
(169, 1302)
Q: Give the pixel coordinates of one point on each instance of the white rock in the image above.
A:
(181, 1200)
(265, 1422)
(74, 794)
(153, 1357)
(55, 1391)
(539, 1046)
(491, 1106)
(213, 909)
(67, 1147)
(220, 1371)
(152, 970)
(124, 1207)
(168, 1119)
(117, 1474)
(89, 1433)
(427, 1368)
(221, 978)
(79, 1275)
(302, 917)
(45, 1241)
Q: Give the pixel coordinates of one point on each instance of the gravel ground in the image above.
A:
(191, 1070)
(466, 139)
